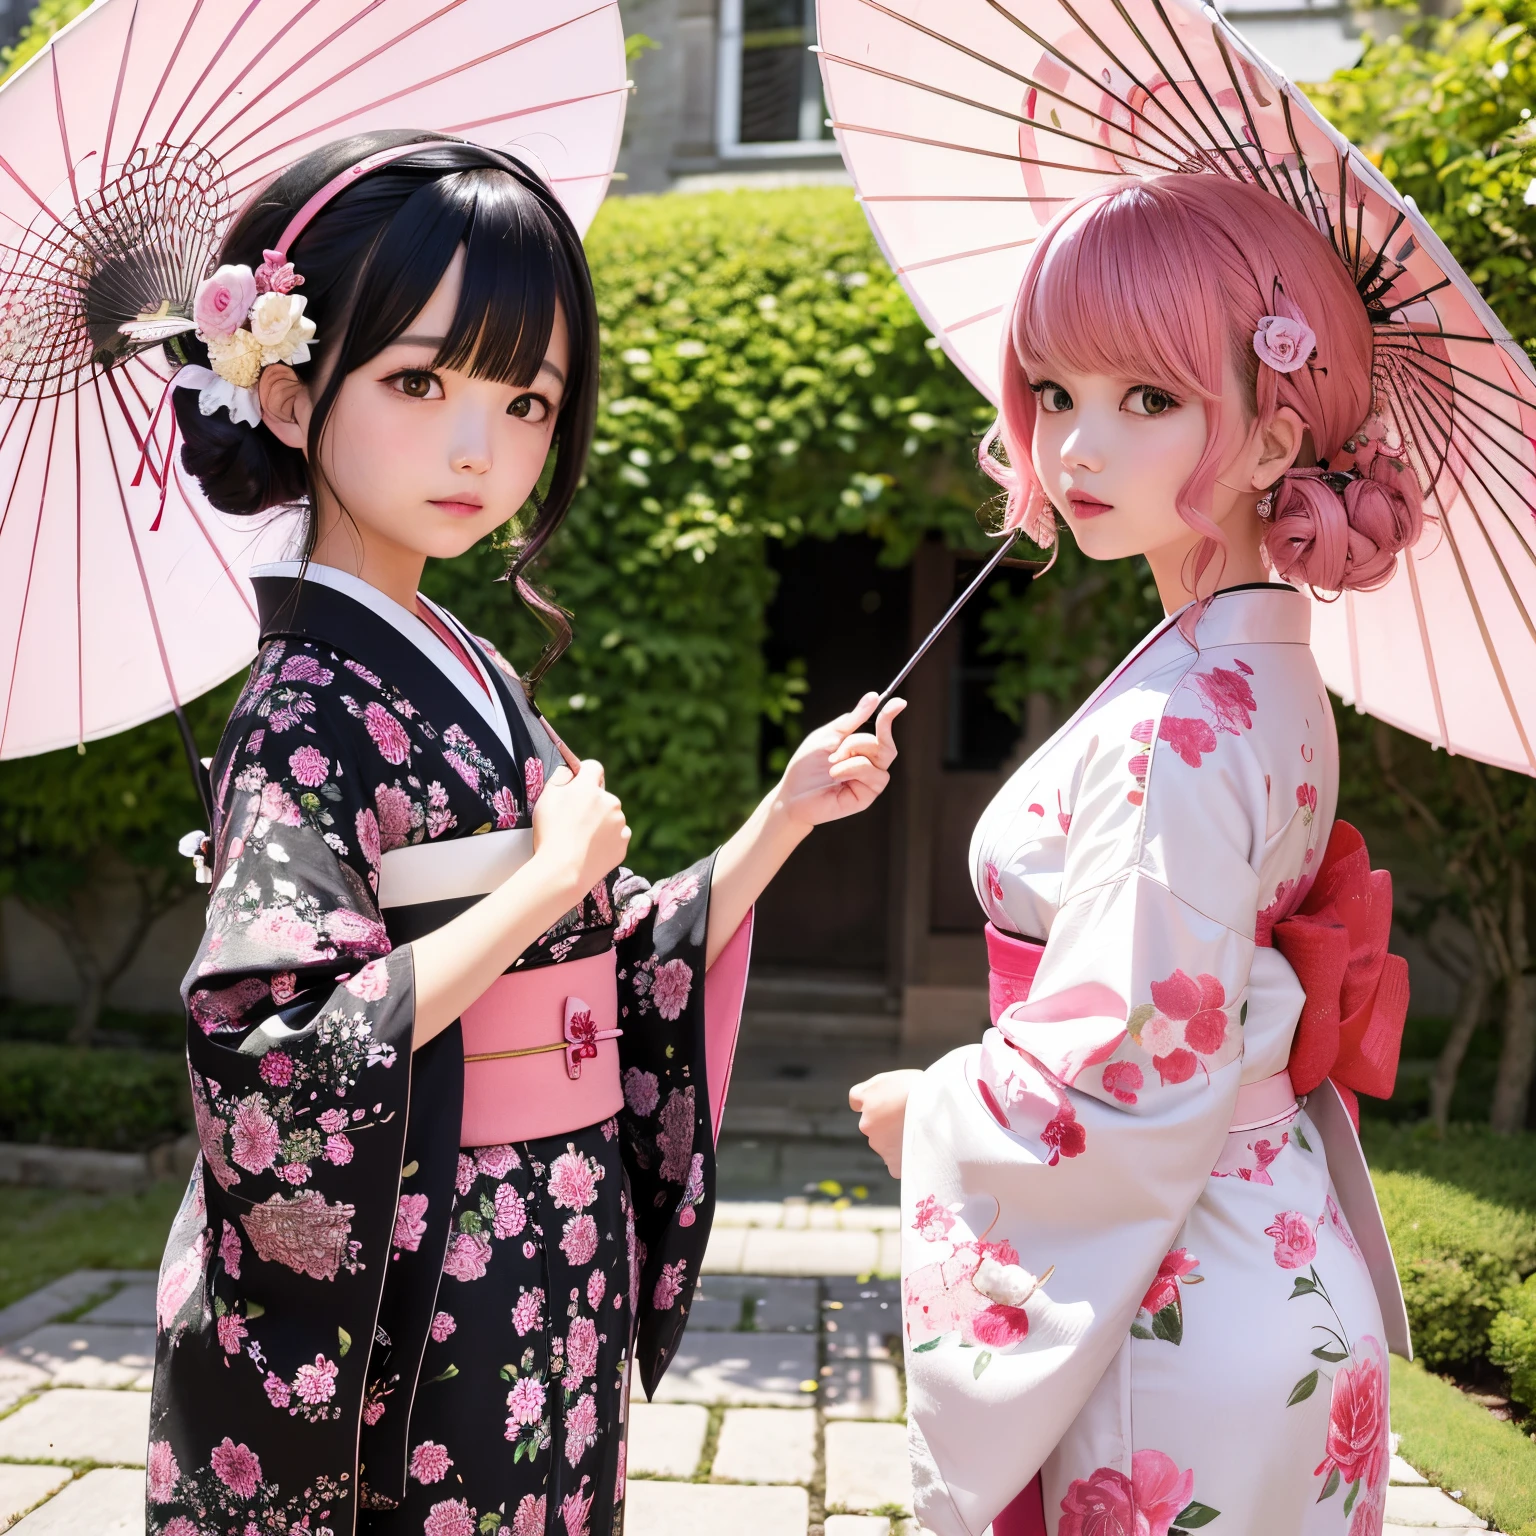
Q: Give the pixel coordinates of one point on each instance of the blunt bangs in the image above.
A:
(1113, 295)
(516, 272)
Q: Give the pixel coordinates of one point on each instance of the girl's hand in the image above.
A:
(579, 831)
(881, 1102)
(838, 770)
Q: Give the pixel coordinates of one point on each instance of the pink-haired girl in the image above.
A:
(1128, 1264)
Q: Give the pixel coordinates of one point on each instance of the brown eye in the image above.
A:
(529, 408)
(416, 386)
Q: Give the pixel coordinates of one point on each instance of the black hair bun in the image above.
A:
(242, 470)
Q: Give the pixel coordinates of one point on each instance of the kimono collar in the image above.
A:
(1265, 613)
(314, 614)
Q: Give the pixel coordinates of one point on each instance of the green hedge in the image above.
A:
(1457, 1255)
(118, 1100)
(1512, 1341)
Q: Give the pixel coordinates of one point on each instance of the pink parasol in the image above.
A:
(125, 148)
(969, 124)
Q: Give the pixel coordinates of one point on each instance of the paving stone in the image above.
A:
(841, 1288)
(767, 1252)
(90, 1355)
(861, 1389)
(102, 1503)
(666, 1439)
(713, 1314)
(858, 1525)
(1429, 1507)
(749, 1213)
(62, 1295)
(760, 1370)
(1403, 1473)
(862, 1330)
(781, 1305)
(72, 1425)
(767, 1445)
(17, 1379)
(132, 1304)
(22, 1487)
(723, 1255)
(873, 1218)
(867, 1467)
(707, 1509)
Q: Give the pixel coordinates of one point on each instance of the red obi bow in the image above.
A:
(1351, 1027)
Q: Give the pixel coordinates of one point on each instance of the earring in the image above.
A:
(1266, 506)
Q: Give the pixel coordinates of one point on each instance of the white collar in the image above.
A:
(414, 629)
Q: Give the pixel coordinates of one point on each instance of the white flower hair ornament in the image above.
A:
(1284, 341)
(248, 321)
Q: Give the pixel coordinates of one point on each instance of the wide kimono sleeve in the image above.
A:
(1048, 1172)
(680, 1025)
(299, 1049)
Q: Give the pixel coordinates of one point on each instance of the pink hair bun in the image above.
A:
(1335, 542)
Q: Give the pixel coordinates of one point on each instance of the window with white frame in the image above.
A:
(769, 98)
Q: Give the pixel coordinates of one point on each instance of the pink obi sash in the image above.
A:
(1011, 967)
(540, 1052)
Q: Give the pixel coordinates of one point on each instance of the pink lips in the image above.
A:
(460, 508)
(1087, 506)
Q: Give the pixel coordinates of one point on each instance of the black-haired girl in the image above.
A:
(456, 1074)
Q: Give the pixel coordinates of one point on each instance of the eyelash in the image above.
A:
(1172, 401)
(396, 379)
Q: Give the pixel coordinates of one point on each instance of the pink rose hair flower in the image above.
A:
(223, 301)
(1283, 343)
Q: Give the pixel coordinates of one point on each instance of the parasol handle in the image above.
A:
(943, 624)
(200, 779)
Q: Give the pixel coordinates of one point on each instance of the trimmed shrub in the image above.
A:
(1512, 1342)
(117, 1100)
(1457, 1256)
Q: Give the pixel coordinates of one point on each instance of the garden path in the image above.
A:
(781, 1414)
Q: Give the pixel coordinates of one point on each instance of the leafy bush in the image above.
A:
(1512, 1341)
(1457, 1255)
(118, 1100)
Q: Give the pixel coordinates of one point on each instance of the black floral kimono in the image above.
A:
(363, 1327)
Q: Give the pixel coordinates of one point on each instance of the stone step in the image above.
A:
(823, 1026)
(825, 991)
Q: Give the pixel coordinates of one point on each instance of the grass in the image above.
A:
(1500, 1169)
(45, 1233)
(1458, 1444)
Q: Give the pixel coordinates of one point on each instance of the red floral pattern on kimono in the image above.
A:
(1195, 1339)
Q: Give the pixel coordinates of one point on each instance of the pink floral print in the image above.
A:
(237, 1467)
(387, 733)
(578, 1242)
(1147, 1503)
(163, 1473)
(669, 1286)
(572, 1181)
(528, 1314)
(932, 1220)
(1122, 1080)
(1191, 738)
(410, 1222)
(1295, 1241)
(671, 988)
(430, 1462)
(1228, 697)
(468, 1255)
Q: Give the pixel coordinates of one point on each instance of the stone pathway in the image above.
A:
(781, 1414)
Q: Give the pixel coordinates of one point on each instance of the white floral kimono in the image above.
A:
(1205, 1346)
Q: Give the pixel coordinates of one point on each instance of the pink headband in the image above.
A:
(338, 184)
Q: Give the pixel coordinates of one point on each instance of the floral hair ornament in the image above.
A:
(250, 320)
(1284, 341)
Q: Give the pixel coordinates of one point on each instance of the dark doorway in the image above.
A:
(844, 618)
